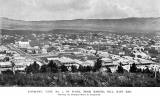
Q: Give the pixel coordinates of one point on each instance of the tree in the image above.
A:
(13, 67)
(98, 64)
(88, 68)
(36, 67)
(44, 68)
(108, 70)
(133, 68)
(74, 68)
(63, 68)
(81, 68)
(120, 68)
(147, 70)
(33, 68)
(53, 66)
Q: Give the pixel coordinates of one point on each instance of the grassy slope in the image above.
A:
(97, 79)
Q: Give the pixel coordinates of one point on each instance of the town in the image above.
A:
(18, 52)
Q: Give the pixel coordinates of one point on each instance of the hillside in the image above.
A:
(112, 25)
(87, 79)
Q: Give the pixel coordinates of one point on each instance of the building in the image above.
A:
(20, 66)
(22, 44)
(4, 66)
(88, 63)
(65, 61)
(68, 62)
(44, 51)
(107, 62)
(19, 59)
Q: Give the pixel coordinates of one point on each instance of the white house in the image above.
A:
(19, 59)
(107, 62)
(68, 61)
(23, 44)
(88, 63)
(44, 51)
(19, 66)
(5, 66)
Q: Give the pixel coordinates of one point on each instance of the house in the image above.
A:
(44, 51)
(103, 54)
(19, 59)
(65, 61)
(4, 66)
(22, 44)
(141, 54)
(19, 66)
(114, 57)
(68, 62)
(145, 61)
(78, 53)
(36, 47)
(2, 56)
(56, 58)
(107, 62)
(88, 63)
(156, 47)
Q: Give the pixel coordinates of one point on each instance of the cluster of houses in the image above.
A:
(65, 45)
(141, 59)
(11, 58)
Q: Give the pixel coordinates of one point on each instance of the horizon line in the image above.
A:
(83, 19)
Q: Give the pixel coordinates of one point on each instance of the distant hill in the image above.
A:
(112, 25)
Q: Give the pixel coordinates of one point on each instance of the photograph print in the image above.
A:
(79, 43)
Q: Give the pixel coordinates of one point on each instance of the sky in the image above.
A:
(36, 10)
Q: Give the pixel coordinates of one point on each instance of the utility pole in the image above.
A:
(155, 71)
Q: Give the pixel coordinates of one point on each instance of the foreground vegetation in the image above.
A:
(85, 79)
(51, 75)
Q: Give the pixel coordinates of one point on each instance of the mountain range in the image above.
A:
(111, 25)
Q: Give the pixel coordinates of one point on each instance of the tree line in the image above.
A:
(54, 68)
